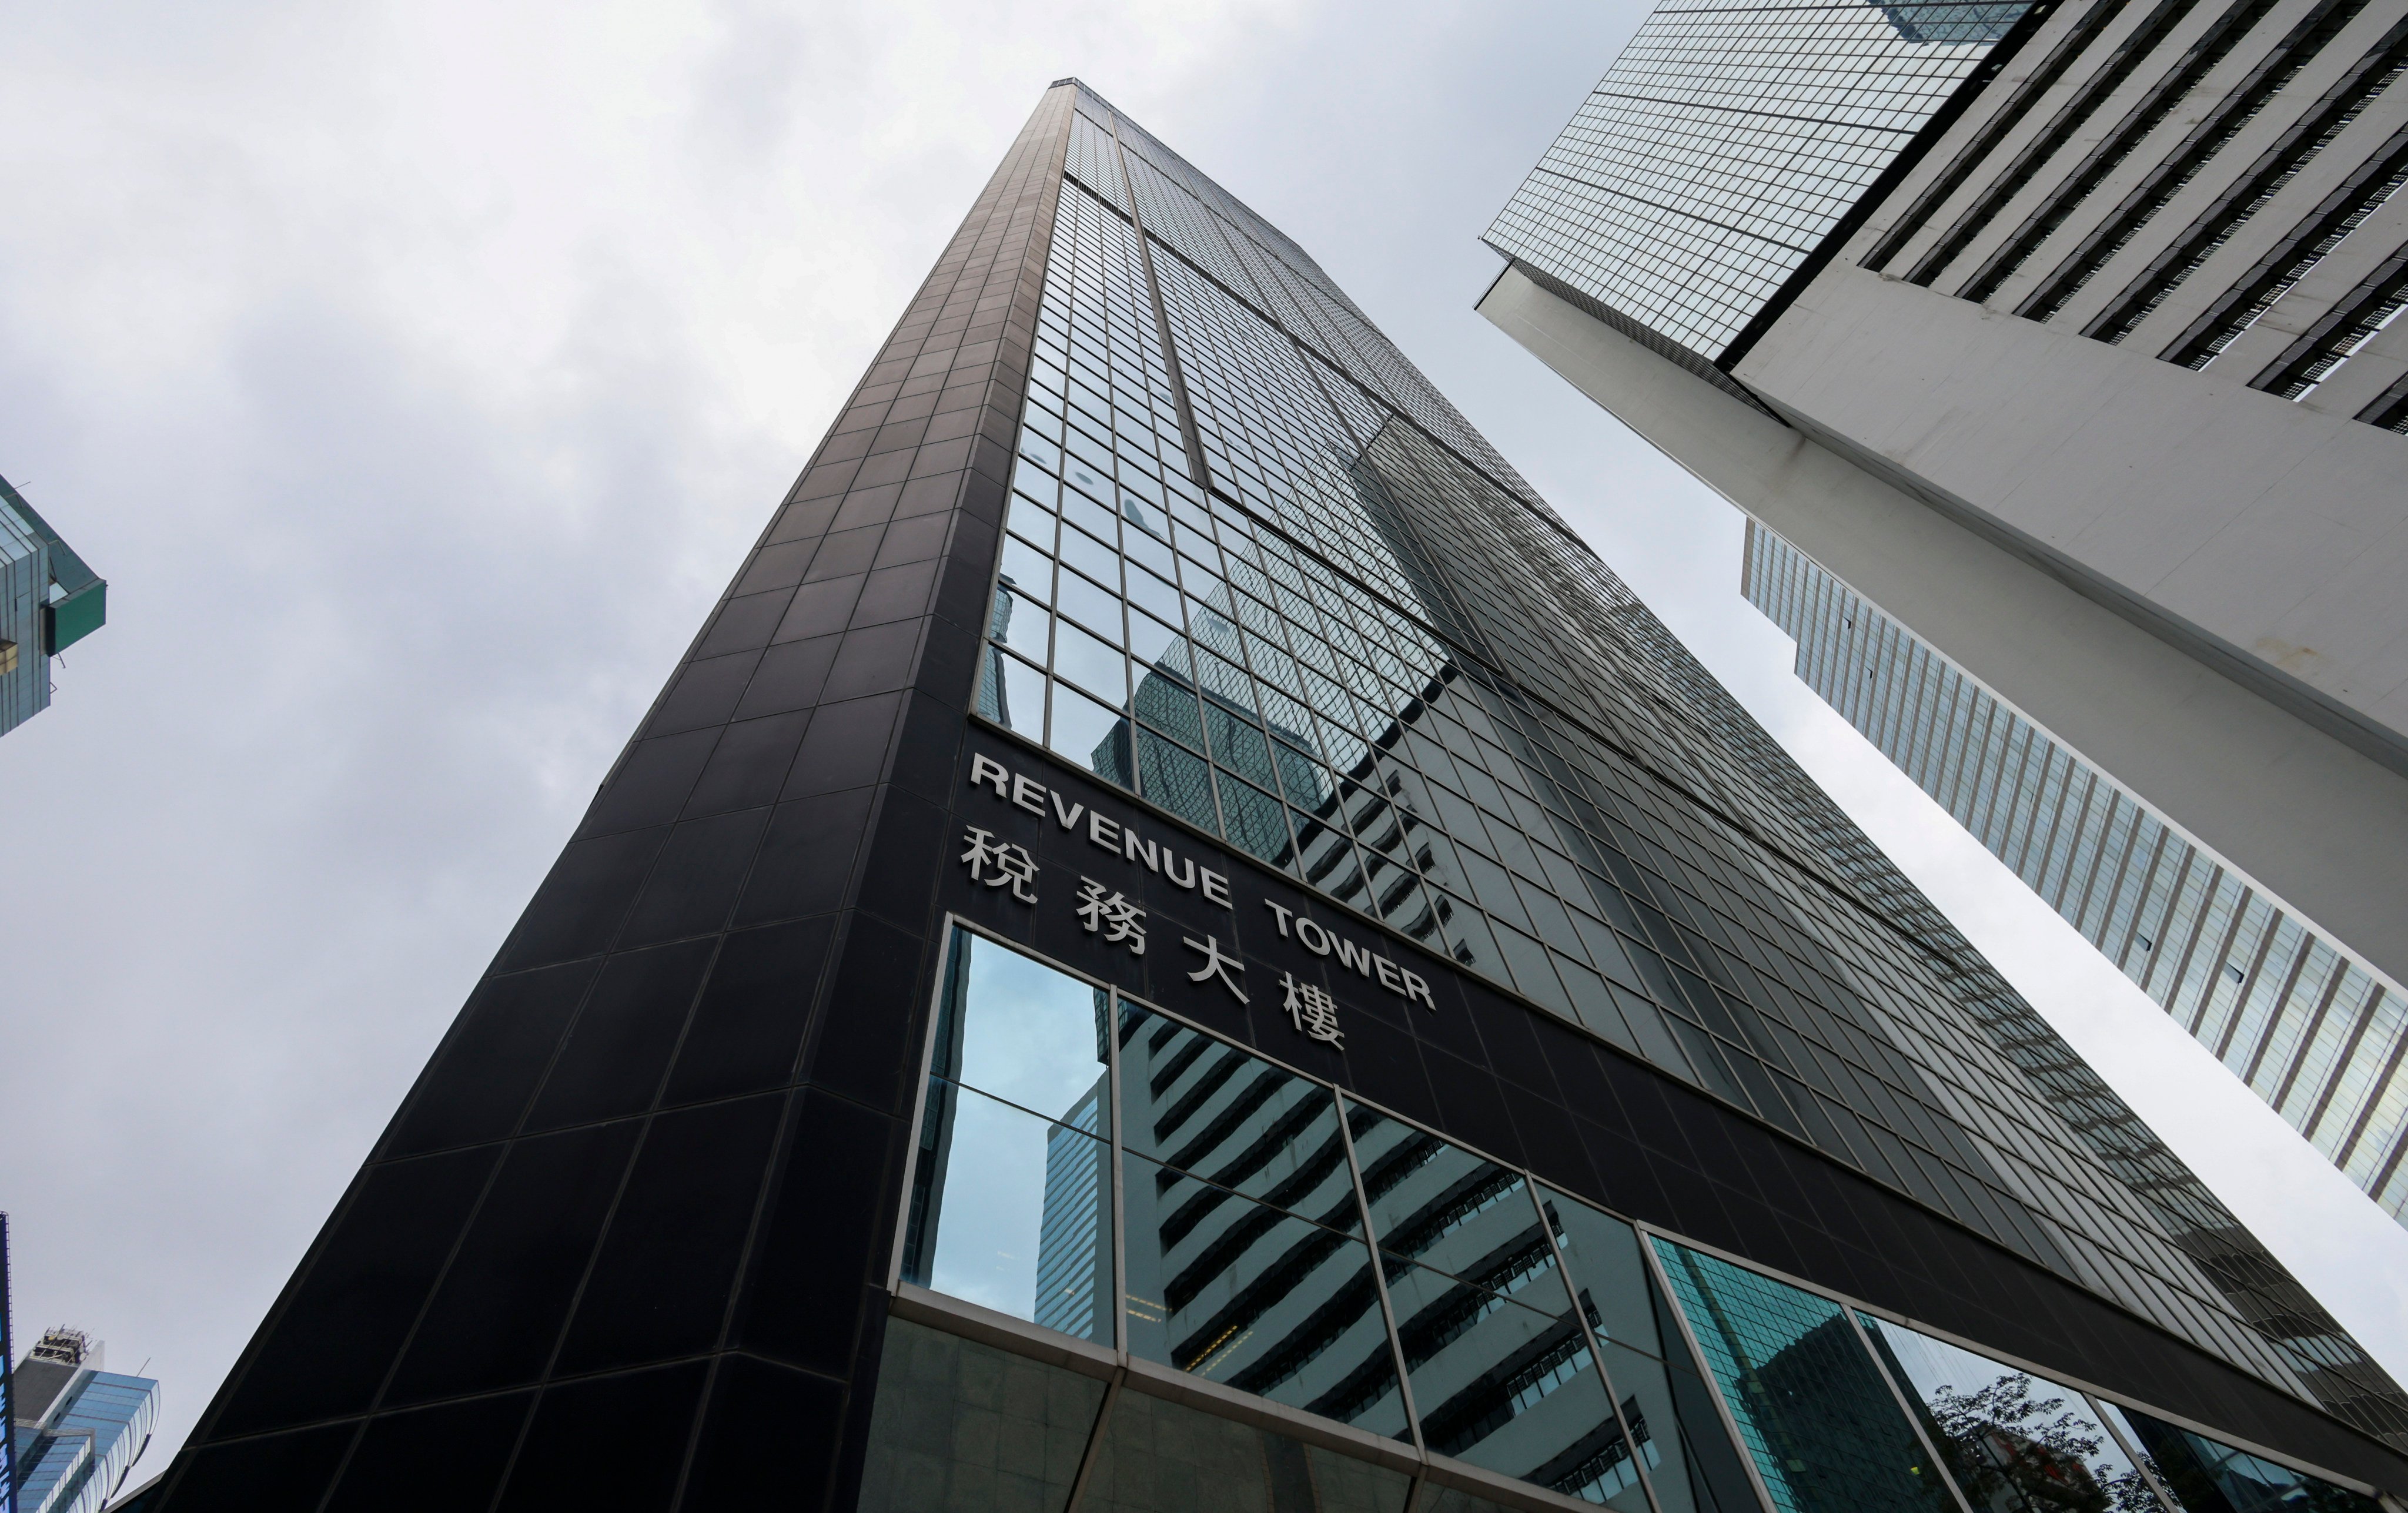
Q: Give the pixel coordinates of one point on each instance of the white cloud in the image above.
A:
(417, 374)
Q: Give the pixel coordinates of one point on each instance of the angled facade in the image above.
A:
(1177, 941)
(49, 601)
(2063, 334)
(2313, 1031)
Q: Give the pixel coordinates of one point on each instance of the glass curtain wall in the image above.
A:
(1259, 573)
(1092, 1166)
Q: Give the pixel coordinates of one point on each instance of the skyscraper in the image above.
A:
(2314, 1031)
(49, 601)
(1176, 940)
(77, 1430)
(2063, 334)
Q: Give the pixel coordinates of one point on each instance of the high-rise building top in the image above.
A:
(2065, 337)
(49, 601)
(1178, 940)
(77, 1429)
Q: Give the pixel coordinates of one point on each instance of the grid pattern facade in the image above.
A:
(2309, 1029)
(2217, 185)
(1407, 1306)
(1327, 636)
(635, 1220)
(1725, 143)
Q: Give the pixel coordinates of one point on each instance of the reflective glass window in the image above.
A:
(1816, 1416)
(1672, 1423)
(1502, 1371)
(1012, 1191)
(2015, 1442)
(2205, 1475)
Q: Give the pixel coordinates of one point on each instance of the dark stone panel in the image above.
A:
(845, 553)
(1471, 1106)
(660, 1281)
(608, 1445)
(695, 882)
(789, 678)
(804, 518)
(768, 1438)
(749, 766)
(872, 1004)
(908, 827)
(894, 593)
(866, 506)
(911, 541)
(278, 1474)
(481, 1081)
(923, 496)
(650, 784)
(823, 1236)
(705, 693)
(447, 1457)
(578, 909)
(620, 1046)
(846, 746)
(744, 623)
(821, 608)
(777, 565)
(875, 660)
(806, 859)
(925, 754)
(749, 1027)
(335, 1337)
(496, 1318)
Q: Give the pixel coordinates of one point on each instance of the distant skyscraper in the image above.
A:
(2065, 334)
(1177, 941)
(2311, 1030)
(49, 601)
(77, 1429)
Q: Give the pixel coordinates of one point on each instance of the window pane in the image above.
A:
(1826, 1434)
(1012, 1212)
(1257, 1298)
(1502, 1370)
(2206, 1475)
(2013, 1441)
(1206, 1106)
(1015, 1028)
(1159, 1457)
(1672, 1420)
(962, 1426)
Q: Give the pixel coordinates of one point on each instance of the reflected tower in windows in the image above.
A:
(1177, 941)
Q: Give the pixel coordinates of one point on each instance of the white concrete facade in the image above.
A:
(2191, 583)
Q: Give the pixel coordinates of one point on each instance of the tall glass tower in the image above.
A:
(1177, 941)
(2066, 333)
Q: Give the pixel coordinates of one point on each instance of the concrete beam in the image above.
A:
(2314, 820)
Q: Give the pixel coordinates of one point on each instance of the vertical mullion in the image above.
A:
(1380, 1278)
(1119, 1247)
(2133, 1454)
(1696, 1354)
(1914, 1421)
(1595, 1347)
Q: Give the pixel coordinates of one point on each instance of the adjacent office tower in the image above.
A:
(1176, 941)
(2063, 334)
(49, 601)
(77, 1430)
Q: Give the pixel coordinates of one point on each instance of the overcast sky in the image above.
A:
(418, 374)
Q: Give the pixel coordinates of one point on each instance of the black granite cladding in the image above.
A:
(1526, 1088)
(623, 1246)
